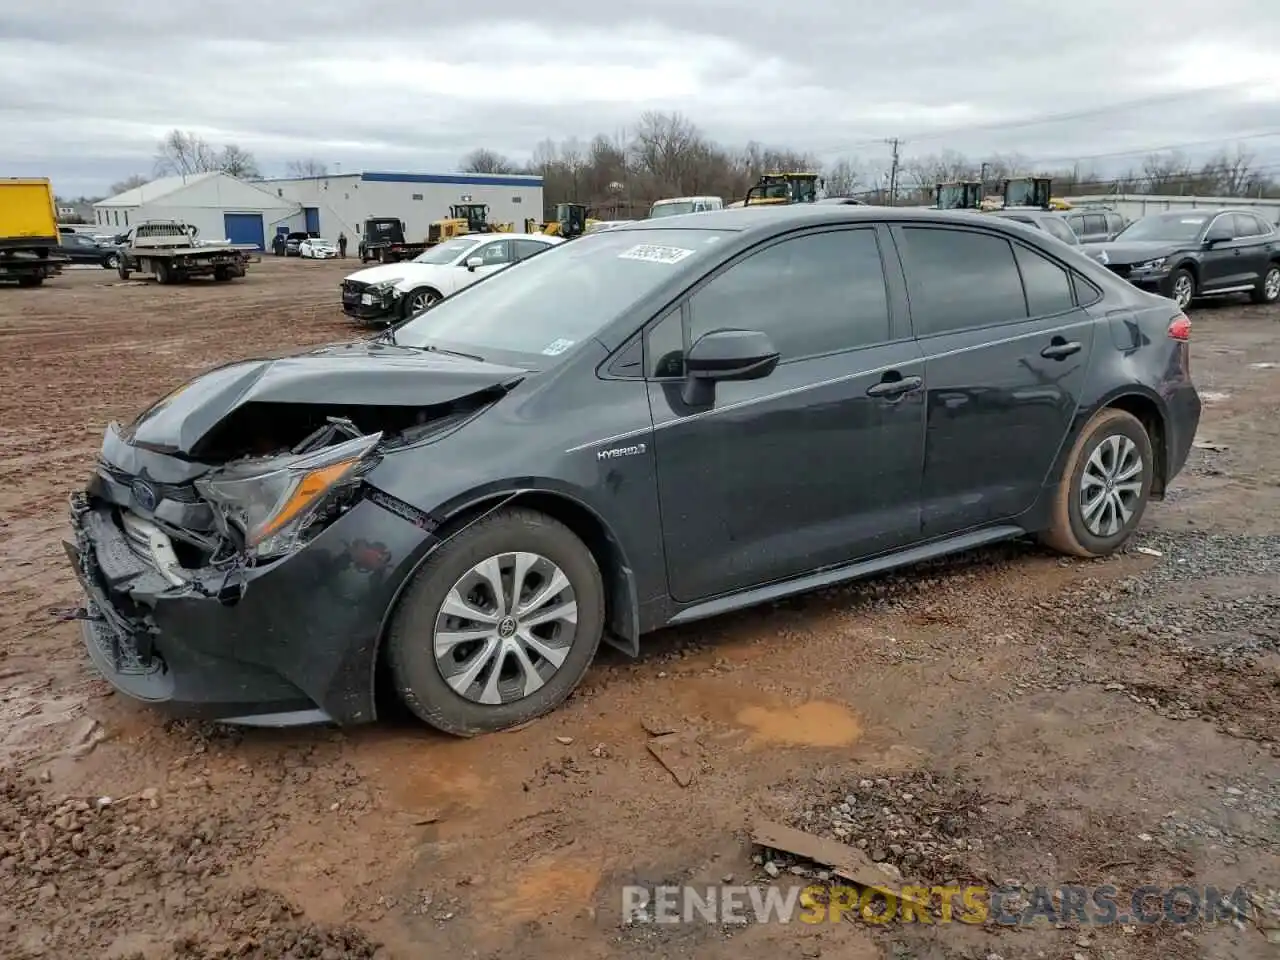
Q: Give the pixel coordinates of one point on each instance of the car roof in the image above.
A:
(658, 203)
(771, 219)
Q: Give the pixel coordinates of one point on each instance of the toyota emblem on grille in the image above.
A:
(144, 494)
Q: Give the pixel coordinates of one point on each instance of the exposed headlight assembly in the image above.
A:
(1155, 264)
(274, 502)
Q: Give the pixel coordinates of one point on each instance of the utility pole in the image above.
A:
(895, 143)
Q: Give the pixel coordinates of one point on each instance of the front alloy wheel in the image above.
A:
(419, 300)
(1182, 289)
(505, 628)
(499, 625)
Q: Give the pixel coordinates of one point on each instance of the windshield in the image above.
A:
(447, 252)
(1165, 226)
(536, 310)
(671, 209)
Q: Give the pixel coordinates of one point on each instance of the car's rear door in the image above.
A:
(817, 463)
(1006, 349)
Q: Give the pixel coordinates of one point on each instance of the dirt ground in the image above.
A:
(1007, 717)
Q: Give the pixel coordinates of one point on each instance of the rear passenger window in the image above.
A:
(1060, 230)
(1095, 223)
(814, 294)
(1047, 285)
(957, 279)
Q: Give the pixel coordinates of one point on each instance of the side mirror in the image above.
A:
(473, 262)
(726, 355)
(1217, 235)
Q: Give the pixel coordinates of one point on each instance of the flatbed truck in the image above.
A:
(169, 251)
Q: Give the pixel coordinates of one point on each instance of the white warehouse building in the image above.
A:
(218, 205)
(341, 203)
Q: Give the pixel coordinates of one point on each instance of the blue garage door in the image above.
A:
(313, 219)
(245, 228)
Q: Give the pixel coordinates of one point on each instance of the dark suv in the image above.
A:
(647, 426)
(1197, 253)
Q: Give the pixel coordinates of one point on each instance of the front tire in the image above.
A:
(112, 262)
(418, 300)
(498, 626)
(1182, 287)
(1268, 288)
(1104, 487)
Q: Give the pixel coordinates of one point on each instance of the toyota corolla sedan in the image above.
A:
(646, 426)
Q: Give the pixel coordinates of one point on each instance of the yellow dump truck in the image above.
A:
(28, 231)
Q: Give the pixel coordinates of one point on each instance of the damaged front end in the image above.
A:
(371, 302)
(242, 574)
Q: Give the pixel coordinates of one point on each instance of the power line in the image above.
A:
(1041, 119)
(1216, 141)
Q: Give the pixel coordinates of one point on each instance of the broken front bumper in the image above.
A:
(293, 641)
(370, 303)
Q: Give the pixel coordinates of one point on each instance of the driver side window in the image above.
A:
(493, 254)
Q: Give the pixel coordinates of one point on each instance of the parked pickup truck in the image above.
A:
(384, 242)
(28, 231)
(169, 251)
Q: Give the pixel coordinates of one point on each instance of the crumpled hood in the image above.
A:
(1135, 251)
(365, 372)
(413, 272)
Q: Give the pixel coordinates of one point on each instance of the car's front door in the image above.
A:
(1006, 351)
(493, 255)
(817, 463)
(1219, 263)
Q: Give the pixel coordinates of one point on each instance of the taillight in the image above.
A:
(1180, 328)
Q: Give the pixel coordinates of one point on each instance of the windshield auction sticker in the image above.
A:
(557, 347)
(655, 254)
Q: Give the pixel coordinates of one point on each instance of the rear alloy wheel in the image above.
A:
(1104, 488)
(498, 626)
(1268, 288)
(1182, 288)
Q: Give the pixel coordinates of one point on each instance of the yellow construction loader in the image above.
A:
(773, 189)
(465, 218)
(1036, 192)
(572, 220)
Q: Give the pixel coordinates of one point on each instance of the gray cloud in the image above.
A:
(90, 88)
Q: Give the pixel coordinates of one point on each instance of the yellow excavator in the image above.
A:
(464, 218)
(1014, 192)
(773, 189)
(572, 220)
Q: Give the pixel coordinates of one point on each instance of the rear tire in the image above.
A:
(1104, 487)
(32, 281)
(122, 268)
(162, 271)
(505, 540)
(223, 274)
(1268, 288)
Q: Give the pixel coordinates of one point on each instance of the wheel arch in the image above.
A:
(1151, 413)
(622, 607)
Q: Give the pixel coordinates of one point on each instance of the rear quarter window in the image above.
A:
(1047, 285)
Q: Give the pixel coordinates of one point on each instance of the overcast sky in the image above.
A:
(88, 88)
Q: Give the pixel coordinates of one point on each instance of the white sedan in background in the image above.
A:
(392, 291)
(317, 248)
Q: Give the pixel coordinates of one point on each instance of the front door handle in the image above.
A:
(894, 386)
(1060, 349)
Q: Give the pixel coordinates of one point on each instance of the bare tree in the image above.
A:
(1231, 173)
(665, 144)
(1166, 172)
(843, 178)
(310, 167)
(129, 183)
(484, 160)
(238, 162)
(180, 154)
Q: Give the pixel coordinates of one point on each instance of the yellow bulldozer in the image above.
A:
(464, 218)
(1014, 192)
(571, 220)
(773, 189)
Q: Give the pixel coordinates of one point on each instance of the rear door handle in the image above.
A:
(895, 386)
(1060, 350)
